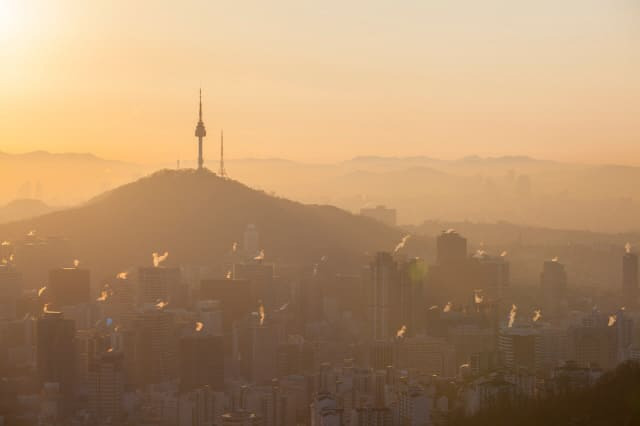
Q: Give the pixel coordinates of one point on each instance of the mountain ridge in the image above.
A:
(197, 217)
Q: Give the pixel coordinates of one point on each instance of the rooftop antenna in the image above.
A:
(222, 172)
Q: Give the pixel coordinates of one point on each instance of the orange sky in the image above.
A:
(321, 81)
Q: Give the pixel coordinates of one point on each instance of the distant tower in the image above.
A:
(222, 172)
(201, 132)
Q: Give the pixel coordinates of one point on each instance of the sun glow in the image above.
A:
(25, 24)
(9, 19)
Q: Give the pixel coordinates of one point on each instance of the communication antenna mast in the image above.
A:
(222, 172)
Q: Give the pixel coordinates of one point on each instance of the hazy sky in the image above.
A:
(322, 80)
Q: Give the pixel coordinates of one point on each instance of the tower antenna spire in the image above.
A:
(201, 132)
(222, 172)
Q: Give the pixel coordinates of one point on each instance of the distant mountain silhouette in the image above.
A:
(197, 217)
(22, 209)
(518, 189)
(61, 178)
(59, 156)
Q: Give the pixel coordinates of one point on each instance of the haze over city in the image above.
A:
(297, 213)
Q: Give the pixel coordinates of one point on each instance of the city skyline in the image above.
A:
(428, 214)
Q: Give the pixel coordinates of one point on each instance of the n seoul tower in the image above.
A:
(201, 132)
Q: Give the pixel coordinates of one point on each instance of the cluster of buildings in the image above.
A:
(398, 343)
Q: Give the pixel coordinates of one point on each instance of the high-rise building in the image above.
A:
(210, 315)
(261, 276)
(263, 355)
(624, 326)
(414, 406)
(310, 295)
(382, 296)
(554, 344)
(123, 299)
(346, 290)
(149, 347)
(29, 303)
(201, 361)
(234, 296)
(451, 278)
(271, 403)
(199, 407)
(288, 359)
(52, 407)
(55, 355)
(295, 356)
(410, 310)
(595, 342)
(490, 273)
(10, 291)
(18, 342)
(630, 279)
(106, 386)
(472, 340)
(255, 348)
(381, 354)
(160, 284)
(451, 248)
(90, 345)
(69, 286)
(429, 355)
(521, 347)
